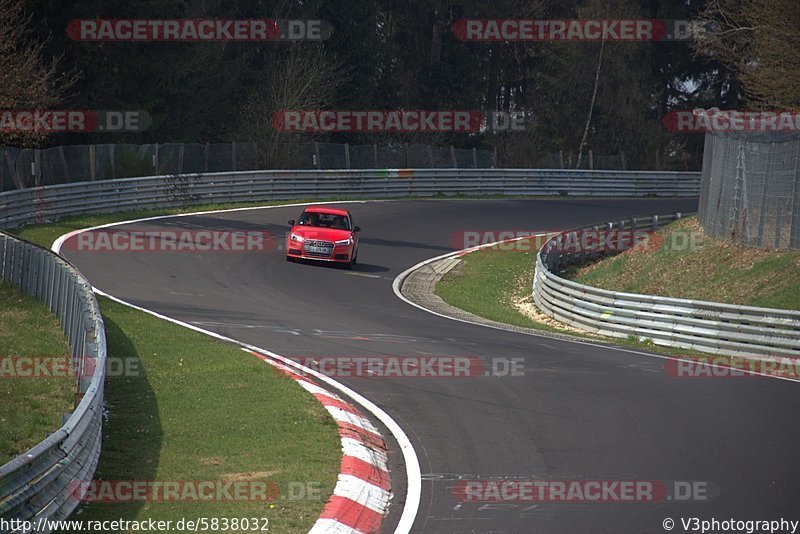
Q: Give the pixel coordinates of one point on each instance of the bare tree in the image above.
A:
(760, 41)
(27, 80)
(303, 79)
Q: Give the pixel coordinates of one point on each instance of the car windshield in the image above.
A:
(324, 220)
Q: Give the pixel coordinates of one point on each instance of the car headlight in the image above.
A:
(348, 241)
(298, 238)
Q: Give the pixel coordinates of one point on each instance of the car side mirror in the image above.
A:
(291, 222)
(357, 229)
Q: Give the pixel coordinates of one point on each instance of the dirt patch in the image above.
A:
(249, 475)
(526, 307)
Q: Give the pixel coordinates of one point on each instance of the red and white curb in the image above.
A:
(361, 497)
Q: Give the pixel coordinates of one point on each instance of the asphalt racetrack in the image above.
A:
(578, 412)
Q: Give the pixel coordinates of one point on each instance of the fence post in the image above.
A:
(347, 155)
(474, 158)
(181, 153)
(591, 160)
(92, 167)
(112, 150)
(233, 155)
(63, 159)
(37, 166)
(375, 153)
(318, 163)
(453, 157)
(205, 158)
(155, 159)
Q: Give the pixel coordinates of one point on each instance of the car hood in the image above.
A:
(324, 234)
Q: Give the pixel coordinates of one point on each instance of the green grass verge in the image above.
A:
(30, 408)
(44, 234)
(194, 408)
(712, 270)
(201, 410)
(490, 281)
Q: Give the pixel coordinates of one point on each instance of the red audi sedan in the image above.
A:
(323, 233)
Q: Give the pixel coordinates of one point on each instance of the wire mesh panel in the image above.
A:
(443, 158)
(332, 156)
(22, 168)
(363, 157)
(750, 191)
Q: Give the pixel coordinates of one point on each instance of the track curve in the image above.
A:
(579, 411)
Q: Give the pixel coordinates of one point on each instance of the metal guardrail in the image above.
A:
(48, 203)
(38, 484)
(692, 324)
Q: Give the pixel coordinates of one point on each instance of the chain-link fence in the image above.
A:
(750, 191)
(20, 168)
(587, 161)
(400, 156)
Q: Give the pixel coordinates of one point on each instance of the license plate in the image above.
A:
(319, 250)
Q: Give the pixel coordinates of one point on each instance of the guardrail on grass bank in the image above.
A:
(693, 324)
(38, 483)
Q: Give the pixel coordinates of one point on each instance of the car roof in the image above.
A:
(325, 209)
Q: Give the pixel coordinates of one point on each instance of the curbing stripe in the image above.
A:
(331, 526)
(413, 492)
(346, 430)
(356, 420)
(366, 471)
(362, 493)
(365, 494)
(349, 514)
(330, 402)
(359, 449)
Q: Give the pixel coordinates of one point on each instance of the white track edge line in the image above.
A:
(398, 281)
(413, 472)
